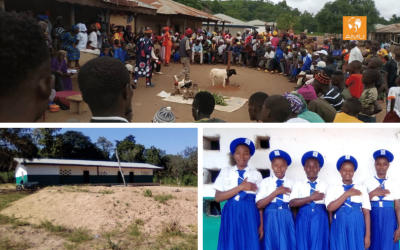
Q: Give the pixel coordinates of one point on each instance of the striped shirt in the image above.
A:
(334, 98)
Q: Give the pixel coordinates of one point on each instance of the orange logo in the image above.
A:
(354, 28)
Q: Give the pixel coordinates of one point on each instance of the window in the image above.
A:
(210, 175)
(214, 175)
(262, 142)
(264, 172)
(211, 143)
(212, 208)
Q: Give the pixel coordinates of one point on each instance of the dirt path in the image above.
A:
(146, 103)
(105, 208)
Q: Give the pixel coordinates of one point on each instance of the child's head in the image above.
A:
(268, 49)
(354, 67)
(375, 63)
(312, 162)
(116, 42)
(352, 107)
(383, 158)
(276, 108)
(106, 49)
(337, 79)
(385, 59)
(256, 102)
(370, 77)
(280, 160)
(285, 50)
(347, 166)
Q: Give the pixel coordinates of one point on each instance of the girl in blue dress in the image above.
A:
(350, 228)
(273, 198)
(240, 219)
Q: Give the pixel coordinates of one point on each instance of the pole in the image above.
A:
(72, 15)
(119, 164)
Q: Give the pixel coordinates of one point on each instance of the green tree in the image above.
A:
(78, 146)
(394, 19)
(153, 156)
(46, 139)
(330, 17)
(286, 21)
(16, 143)
(105, 145)
(191, 3)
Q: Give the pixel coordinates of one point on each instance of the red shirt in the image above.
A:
(355, 85)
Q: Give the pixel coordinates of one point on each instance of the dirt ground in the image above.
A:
(92, 208)
(146, 103)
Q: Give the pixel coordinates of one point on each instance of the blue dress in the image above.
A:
(383, 225)
(240, 220)
(67, 39)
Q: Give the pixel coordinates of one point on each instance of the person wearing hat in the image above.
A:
(164, 115)
(144, 67)
(351, 224)
(306, 114)
(69, 41)
(185, 54)
(167, 43)
(241, 226)
(275, 39)
(384, 194)
(355, 52)
(322, 85)
(312, 222)
(273, 197)
(296, 106)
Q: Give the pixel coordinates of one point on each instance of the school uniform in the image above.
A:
(383, 215)
(312, 222)
(279, 232)
(240, 218)
(348, 225)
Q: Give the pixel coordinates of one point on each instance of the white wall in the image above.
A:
(20, 170)
(42, 170)
(331, 143)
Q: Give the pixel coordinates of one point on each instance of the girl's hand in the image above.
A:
(396, 235)
(317, 196)
(367, 242)
(261, 232)
(380, 192)
(353, 192)
(248, 186)
(283, 190)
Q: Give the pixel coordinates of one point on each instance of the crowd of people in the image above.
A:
(308, 214)
(335, 83)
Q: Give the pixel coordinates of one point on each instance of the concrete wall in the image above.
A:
(331, 143)
(121, 20)
(157, 22)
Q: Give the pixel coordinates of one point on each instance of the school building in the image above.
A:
(331, 143)
(59, 172)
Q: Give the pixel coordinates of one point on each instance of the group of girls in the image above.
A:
(345, 216)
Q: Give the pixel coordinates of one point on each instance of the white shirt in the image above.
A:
(93, 38)
(355, 54)
(268, 185)
(297, 120)
(228, 178)
(287, 56)
(394, 92)
(301, 189)
(83, 38)
(390, 184)
(269, 55)
(335, 191)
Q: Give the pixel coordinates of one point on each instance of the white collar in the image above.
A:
(306, 180)
(352, 183)
(274, 178)
(111, 118)
(246, 169)
(379, 178)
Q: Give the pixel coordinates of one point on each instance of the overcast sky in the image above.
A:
(387, 8)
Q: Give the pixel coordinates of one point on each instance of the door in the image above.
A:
(119, 177)
(131, 177)
(85, 177)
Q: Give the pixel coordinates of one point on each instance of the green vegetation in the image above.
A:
(147, 193)
(139, 222)
(6, 199)
(162, 198)
(106, 191)
(134, 230)
(76, 189)
(10, 244)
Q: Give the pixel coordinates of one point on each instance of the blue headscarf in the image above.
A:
(75, 28)
(43, 17)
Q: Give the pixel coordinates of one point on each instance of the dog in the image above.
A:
(221, 73)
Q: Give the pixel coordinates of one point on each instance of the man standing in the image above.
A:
(185, 55)
(355, 52)
(143, 67)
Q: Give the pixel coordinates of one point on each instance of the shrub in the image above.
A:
(147, 193)
(162, 198)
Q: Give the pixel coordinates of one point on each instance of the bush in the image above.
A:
(7, 177)
(147, 193)
(133, 229)
(79, 235)
(162, 198)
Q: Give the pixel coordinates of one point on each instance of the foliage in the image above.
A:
(16, 143)
(147, 193)
(105, 145)
(6, 199)
(7, 177)
(330, 17)
(162, 198)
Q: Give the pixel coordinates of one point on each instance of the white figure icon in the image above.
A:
(354, 24)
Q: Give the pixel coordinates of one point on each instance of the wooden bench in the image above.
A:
(76, 104)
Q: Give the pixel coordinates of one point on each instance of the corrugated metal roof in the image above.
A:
(256, 23)
(389, 29)
(233, 21)
(87, 163)
(132, 3)
(123, 5)
(169, 7)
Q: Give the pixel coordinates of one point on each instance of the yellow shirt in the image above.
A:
(383, 52)
(345, 118)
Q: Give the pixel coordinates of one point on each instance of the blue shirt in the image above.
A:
(198, 48)
(307, 62)
(122, 55)
(237, 49)
(279, 55)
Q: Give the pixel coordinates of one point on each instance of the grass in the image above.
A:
(162, 198)
(134, 230)
(147, 193)
(106, 191)
(8, 244)
(139, 222)
(77, 235)
(6, 199)
(76, 189)
(111, 233)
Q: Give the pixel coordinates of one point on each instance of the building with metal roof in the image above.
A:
(59, 171)
(386, 33)
(227, 22)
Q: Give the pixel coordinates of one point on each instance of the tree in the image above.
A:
(16, 143)
(78, 146)
(286, 21)
(394, 19)
(153, 156)
(46, 137)
(105, 145)
(330, 17)
(191, 3)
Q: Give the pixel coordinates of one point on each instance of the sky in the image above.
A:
(386, 8)
(168, 139)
